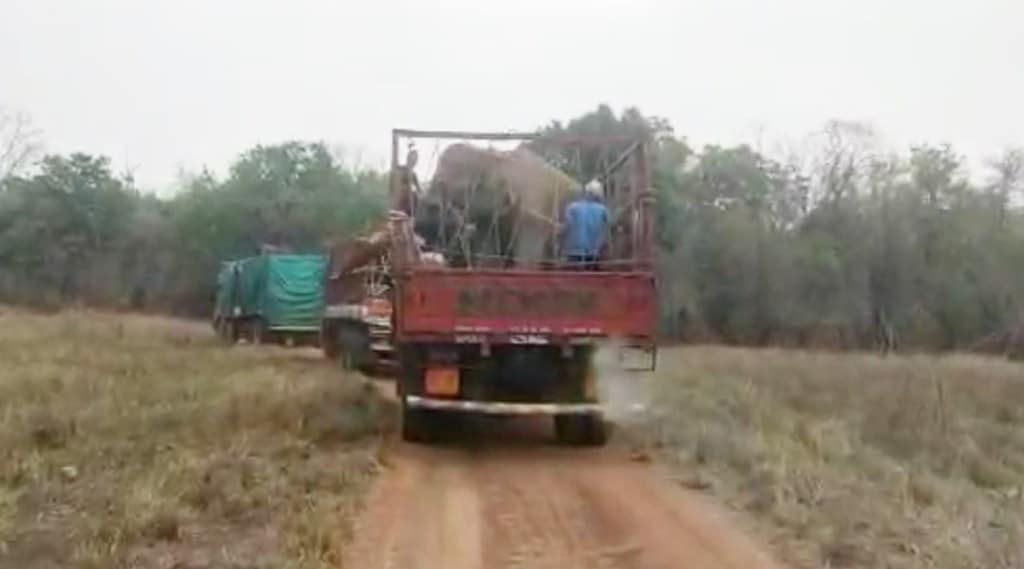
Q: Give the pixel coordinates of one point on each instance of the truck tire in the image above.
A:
(418, 425)
(352, 347)
(220, 327)
(581, 430)
(227, 331)
(257, 332)
(329, 341)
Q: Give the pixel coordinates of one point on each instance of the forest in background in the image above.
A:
(835, 244)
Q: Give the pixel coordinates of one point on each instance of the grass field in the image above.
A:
(853, 460)
(131, 441)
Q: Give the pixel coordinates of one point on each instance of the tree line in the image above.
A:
(76, 232)
(838, 244)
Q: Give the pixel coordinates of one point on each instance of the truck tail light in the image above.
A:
(443, 381)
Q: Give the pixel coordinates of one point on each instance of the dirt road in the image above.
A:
(515, 501)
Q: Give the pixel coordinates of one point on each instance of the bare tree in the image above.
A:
(1008, 179)
(834, 160)
(845, 149)
(19, 142)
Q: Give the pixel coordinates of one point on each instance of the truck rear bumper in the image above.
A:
(502, 408)
(299, 329)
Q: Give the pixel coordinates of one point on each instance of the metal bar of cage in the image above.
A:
(463, 135)
(510, 135)
(634, 155)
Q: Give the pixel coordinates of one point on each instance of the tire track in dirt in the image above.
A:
(514, 502)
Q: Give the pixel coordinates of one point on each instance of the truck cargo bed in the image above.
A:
(520, 306)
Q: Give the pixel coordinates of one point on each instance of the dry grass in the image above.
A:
(854, 460)
(141, 442)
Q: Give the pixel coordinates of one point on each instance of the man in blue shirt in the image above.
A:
(586, 225)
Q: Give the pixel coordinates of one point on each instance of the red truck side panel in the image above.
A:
(496, 303)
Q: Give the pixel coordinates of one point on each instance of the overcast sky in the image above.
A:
(165, 85)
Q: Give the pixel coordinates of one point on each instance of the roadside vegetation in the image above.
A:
(837, 241)
(852, 460)
(130, 441)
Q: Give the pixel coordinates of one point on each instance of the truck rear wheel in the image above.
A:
(227, 330)
(418, 425)
(257, 332)
(581, 430)
(353, 347)
(220, 328)
(328, 341)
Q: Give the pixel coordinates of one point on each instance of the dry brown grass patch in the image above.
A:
(854, 460)
(142, 442)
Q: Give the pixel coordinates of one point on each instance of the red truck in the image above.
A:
(508, 339)
(356, 322)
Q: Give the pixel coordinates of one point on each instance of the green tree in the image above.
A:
(58, 222)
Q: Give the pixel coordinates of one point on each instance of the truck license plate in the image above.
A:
(442, 381)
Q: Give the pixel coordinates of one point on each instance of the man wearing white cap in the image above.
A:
(586, 222)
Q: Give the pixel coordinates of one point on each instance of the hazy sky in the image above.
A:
(161, 86)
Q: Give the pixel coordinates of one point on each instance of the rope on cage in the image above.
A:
(600, 174)
(376, 281)
(464, 244)
(442, 234)
(513, 238)
(555, 236)
(464, 219)
(494, 233)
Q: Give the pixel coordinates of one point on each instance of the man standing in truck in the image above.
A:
(408, 184)
(586, 224)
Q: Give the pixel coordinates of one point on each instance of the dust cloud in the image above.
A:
(625, 389)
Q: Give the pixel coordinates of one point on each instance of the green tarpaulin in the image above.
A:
(285, 290)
